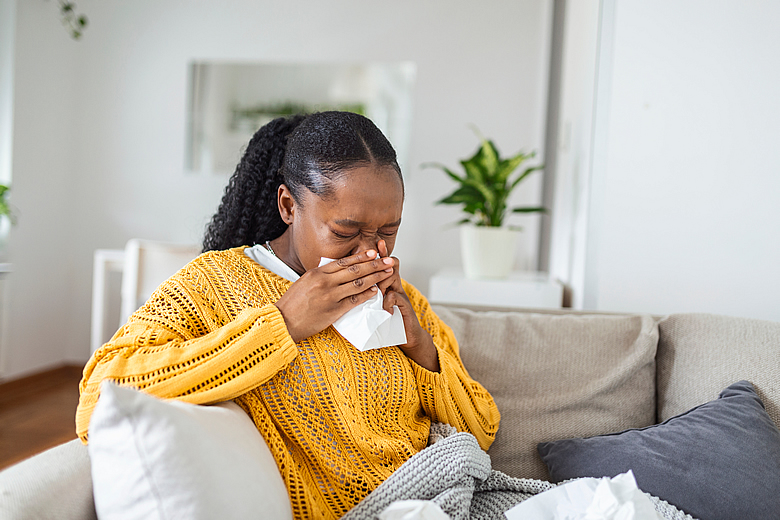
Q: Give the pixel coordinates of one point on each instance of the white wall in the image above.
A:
(99, 135)
(685, 210)
(43, 283)
(7, 25)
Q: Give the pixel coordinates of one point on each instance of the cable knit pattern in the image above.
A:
(338, 421)
(455, 474)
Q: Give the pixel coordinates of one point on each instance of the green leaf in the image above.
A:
(507, 166)
(73, 22)
(488, 157)
(482, 165)
(472, 207)
(463, 195)
(477, 188)
(473, 170)
(486, 194)
(5, 207)
(538, 209)
(525, 174)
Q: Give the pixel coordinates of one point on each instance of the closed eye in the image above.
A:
(345, 237)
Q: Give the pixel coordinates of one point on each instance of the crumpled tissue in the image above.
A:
(413, 510)
(369, 326)
(606, 498)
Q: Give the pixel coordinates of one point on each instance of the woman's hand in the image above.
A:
(419, 345)
(323, 295)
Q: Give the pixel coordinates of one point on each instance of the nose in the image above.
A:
(365, 243)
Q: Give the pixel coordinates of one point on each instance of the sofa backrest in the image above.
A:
(701, 354)
(557, 376)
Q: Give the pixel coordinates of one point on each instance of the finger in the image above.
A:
(389, 301)
(384, 253)
(359, 285)
(347, 261)
(389, 282)
(335, 275)
(354, 300)
(382, 247)
(355, 272)
(393, 282)
(394, 298)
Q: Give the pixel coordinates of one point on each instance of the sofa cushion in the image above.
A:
(700, 354)
(157, 459)
(719, 461)
(55, 483)
(557, 376)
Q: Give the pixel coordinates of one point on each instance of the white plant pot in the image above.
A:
(487, 252)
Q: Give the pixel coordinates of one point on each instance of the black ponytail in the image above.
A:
(248, 213)
(302, 152)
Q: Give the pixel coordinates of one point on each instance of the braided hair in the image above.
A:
(308, 152)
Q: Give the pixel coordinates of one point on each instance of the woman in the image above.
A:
(338, 421)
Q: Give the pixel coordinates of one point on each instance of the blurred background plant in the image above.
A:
(5, 207)
(487, 184)
(73, 22)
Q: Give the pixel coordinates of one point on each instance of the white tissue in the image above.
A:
(413, 510)
(616, 498)
(368, 325)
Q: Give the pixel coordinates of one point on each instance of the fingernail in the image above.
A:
(371, 253)
(389, 270)
(373, 288)
(388, 261)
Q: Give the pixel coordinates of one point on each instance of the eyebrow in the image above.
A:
(347, 222)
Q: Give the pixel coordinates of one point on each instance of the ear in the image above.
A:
(286, 203)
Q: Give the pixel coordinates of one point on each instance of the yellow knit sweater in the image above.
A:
(338, 421)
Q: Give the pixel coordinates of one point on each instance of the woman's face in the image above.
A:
(364, 208)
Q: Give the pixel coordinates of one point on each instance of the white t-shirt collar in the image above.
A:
(273, 263)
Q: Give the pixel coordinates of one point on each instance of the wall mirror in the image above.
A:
(228, 102)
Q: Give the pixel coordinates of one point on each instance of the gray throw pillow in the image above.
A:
(720, 460)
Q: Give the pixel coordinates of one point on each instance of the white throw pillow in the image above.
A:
(153, 459)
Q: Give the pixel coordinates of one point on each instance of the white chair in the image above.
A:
(144, 265)
(147, 265)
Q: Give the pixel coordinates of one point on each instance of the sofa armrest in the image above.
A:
(54, 484)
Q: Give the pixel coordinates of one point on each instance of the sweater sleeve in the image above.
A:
(181, 345)
(451, 396)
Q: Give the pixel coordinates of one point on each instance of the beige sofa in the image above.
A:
(553, 376)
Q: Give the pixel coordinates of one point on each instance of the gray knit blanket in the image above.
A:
(456, 474)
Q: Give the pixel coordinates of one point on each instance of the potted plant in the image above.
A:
(6, 215)
(487, 246)
(5, 208)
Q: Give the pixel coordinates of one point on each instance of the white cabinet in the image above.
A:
(521, 290)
